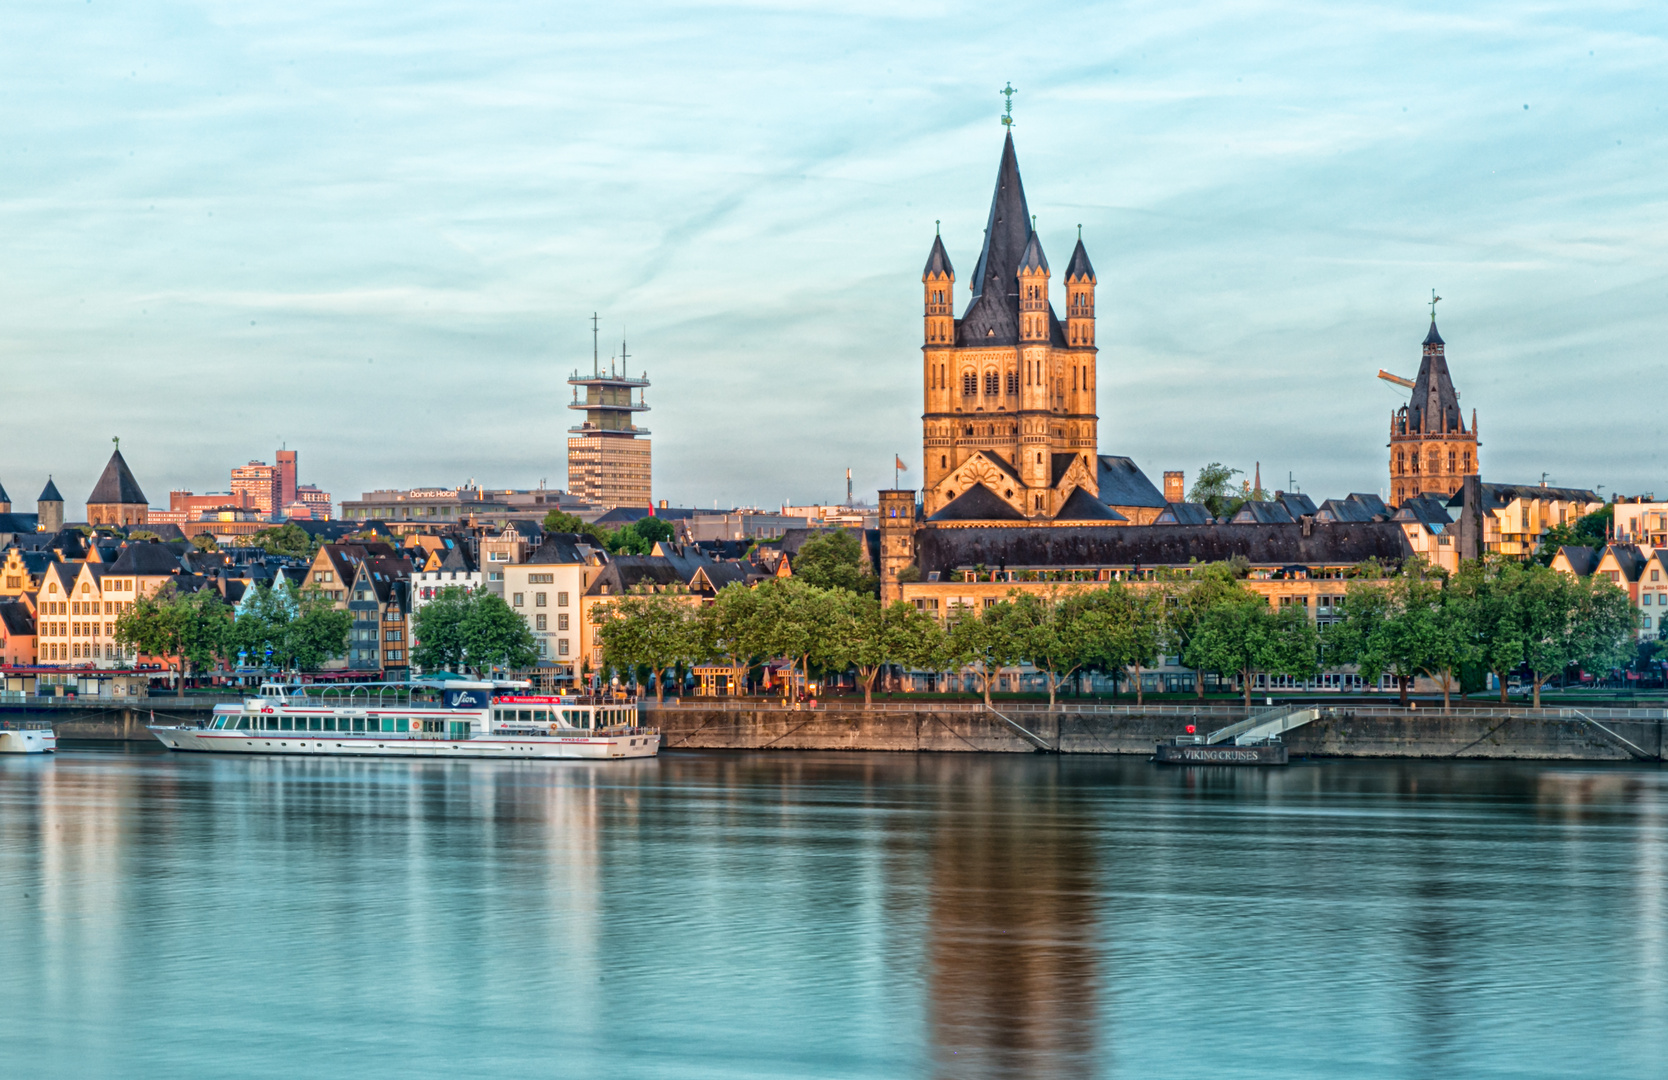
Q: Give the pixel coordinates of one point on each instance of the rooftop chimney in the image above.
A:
(1175, 485)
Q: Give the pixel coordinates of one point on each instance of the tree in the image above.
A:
(289, 540)
(192, 628)
(867, 636)
(205, 543)
(437, 629)
(494, 635)
(1123, 628)
(654, 630)
(261, 622)
(319, 632)
(1214, 487)
(984, 641)
(835, 561)
(1241, 635)
(1566, 622)
(1187, 599)
(143, 535)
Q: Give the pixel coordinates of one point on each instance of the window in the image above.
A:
(323, 575)
(562, 600)
(495, 575)
(538, 599)
(1646, 600)
(969, 384)
(1013, 382)
(540, 579)
(396, 654)
(498, 556)
(539, 622)
(392, 635)
(562, 646)
(561, 622)
(516, 599)
(993, 383)
(1654, 574)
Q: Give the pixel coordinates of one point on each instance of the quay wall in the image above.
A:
(1504, 734)
(1344, 731)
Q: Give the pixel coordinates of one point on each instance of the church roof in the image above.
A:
(1122, 483)
(977, 503)
(1082, 506)
(3, 496)
(1079, 266)
(49, 493)
(992, 314)
(938, 261)
(1033, 258)
(1433, 406)
(116, 485)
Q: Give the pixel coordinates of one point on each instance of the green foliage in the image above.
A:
(193, 628)
(205, 543)
(1405, 626)
(142, 535)
(1591, 530)
(866, 636)
(984, 640)
(476, 629)
(657, 631)
(1214, 487)
(288, 539)
(291, 630)
(835, 561)
(638, 538)
(1187, 600)
(1242, 635)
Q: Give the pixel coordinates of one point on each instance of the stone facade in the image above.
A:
(1431, 449)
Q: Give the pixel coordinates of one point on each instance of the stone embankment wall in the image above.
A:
(1342, 733)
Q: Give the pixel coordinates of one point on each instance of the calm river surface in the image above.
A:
(823, 915)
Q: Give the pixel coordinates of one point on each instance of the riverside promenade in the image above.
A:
(1344, 730)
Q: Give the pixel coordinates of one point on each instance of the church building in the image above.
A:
(1009, 430)
(1431, 449)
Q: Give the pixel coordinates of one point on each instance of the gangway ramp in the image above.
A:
(1260, 727)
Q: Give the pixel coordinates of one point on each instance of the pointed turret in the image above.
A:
(938, 261)
(1033, 258)
(938, 283)
(1080, 297)
(49, 509)
(5, 501)
(1033, 276)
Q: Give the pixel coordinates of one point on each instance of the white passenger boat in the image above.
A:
(29, 737)
(436, 719)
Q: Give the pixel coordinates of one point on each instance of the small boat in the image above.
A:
(27, 737)
(423, 718)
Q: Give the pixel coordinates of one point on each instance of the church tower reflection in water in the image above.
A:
(1013, 936)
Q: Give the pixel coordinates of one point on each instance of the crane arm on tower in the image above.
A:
(1397, 379)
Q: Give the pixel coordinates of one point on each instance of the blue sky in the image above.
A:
(377, 231)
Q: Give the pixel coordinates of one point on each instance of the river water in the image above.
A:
(829, 915)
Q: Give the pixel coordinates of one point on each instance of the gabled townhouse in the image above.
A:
(21, 571)
(1653, 595)
(17, 634)
(445, 568)
(1429, 529)
(1622, 564)
(52, 613)
(378, 600)
(546, 588)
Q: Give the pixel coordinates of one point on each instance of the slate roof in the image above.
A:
(941, 550)
(938, 260)
(1033, 258)
(458, 560)
(1430, 509)
(1583, 560)
(1079, 266)
(1184, 513)
(146, 558)
(3, 496)
(166, 530)
(1296, 503)
(16, 619)
(49, 493)
(992, 313)
(1253, 512)
(116, 485)
(977, 503)
(1122, 483)
(625, 572)
(558, 548)
(18, 523)
(626, 515)
(1629, 558)
(1499, 496)
(1082, 506)
(1354, 507)
(1433, 395)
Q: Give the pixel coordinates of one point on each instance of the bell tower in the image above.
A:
(938, 369)
(1431, 448)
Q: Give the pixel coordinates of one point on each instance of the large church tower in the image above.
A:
(1431, 449)
(1008, 428)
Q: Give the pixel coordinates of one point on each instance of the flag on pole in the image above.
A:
(898, 462)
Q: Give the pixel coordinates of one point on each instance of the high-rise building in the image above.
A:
(1431, 449)
(286, 477)
(609, 461)
(261, 484)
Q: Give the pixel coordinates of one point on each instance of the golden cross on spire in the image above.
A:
(1434, 299)
(1008, 92)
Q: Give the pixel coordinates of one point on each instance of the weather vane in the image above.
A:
(1434, 299)
(1008, 92)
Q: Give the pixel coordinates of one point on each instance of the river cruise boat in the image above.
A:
(449, 719)
(27, 737)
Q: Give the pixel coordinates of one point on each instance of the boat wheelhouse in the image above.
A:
(423, 718)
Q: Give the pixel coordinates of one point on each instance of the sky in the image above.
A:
(376, 232)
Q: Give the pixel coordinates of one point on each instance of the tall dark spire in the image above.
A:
(992, 315)
(1033, 258)
(116, 486)
(49, 493)
(1079, 267)
(1433, 406)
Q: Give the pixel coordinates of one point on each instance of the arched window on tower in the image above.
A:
(969, 384)
(1450, 461)
(1013, 382)
(993, 383)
